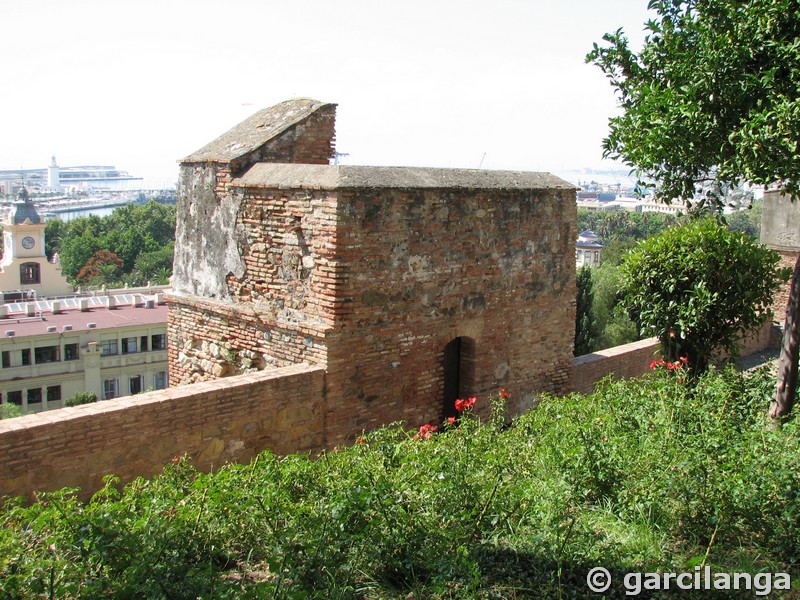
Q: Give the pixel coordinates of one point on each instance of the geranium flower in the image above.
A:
(425, 431)
(451, 420)
(462, 405)
(504, 393)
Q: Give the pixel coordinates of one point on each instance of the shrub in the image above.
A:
(641, 475)
(699, 287)
(81, 398)
(9, 411)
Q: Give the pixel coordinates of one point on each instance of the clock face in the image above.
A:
(28, 242)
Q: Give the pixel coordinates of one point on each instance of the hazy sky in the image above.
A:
(141, 84)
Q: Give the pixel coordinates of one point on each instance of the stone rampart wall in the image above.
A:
(227, 420)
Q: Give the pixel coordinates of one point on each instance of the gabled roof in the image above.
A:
(285, 175)
(256, 130)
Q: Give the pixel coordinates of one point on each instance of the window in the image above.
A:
(128, 345)
(108, 347)
(159, 341)
(71, 352)
(29, 273)
(109, 389)
(6, 359)
(143, 344)
(135, 384)
(54, 393)
(15, 398)
(160, 380)
(46, 354)
(25, 355)
(35, 396)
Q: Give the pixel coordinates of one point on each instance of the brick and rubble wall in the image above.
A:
(224, 317)
(495, 268)
(227, 420)
(781, 300)
(780, 231)
(311, 142)
(281, 303)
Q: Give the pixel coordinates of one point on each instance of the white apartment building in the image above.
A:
(112, 346)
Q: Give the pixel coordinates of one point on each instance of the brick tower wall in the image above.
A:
(495, 268)
(218, 242)
(280, 305)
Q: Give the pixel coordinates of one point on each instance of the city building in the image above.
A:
(25, 271)
(112, 346)
(587, 249)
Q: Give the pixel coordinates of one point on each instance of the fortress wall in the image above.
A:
(226, 420)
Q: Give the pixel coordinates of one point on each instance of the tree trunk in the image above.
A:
(781, 405)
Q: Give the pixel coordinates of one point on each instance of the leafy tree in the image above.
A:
(712, 100)
(9, 411)
(54, 233)
(700, 287)
(130, 232)
(75, 251)
(81, 398)
(613, 325)
(746, 221)
(584, 321)
(151, 265)
(100, 268)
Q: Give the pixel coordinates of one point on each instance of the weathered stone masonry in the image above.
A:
(780, 231)
(374, 273)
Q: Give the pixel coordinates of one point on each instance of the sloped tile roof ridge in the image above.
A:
(284, 175)
(256, 130)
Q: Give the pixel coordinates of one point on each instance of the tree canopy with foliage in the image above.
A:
(140, 236)
(700, 287)
(584, 319)
(712, 97)
(712, 100)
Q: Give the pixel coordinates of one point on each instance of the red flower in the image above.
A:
(684, 360)
(656, 363)
(451, 420)
(462, 405)
(361, 440)
(425, 431)
(504, 393)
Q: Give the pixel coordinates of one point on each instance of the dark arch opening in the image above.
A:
(459, 369)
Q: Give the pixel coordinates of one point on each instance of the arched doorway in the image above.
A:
(458, 362)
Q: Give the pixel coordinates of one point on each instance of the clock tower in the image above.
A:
(24, 265)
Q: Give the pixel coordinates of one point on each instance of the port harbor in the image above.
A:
(69, 192)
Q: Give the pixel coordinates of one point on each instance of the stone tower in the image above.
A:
(411, 286)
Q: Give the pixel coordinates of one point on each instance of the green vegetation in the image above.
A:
(584, 318)
(9, 411)
(81, 398)
(699, 288)
(131, 246)
(606, 323)
(641, 475)
(624, 227)
(712, 100)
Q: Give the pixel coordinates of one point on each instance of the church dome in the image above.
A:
(24, 210)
